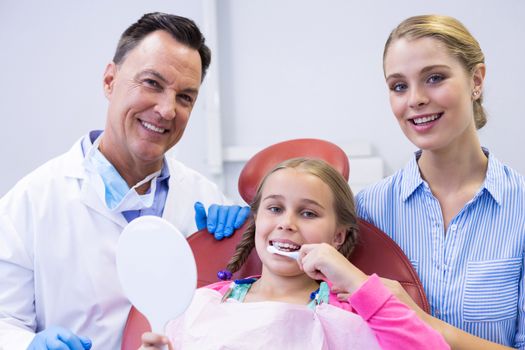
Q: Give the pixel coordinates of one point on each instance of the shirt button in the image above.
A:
(436, 313)
(453, 227)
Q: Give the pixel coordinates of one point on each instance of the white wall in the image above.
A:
(288, 68)
(52, 57)
(307, 68)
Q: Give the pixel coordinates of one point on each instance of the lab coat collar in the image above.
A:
(74, 159)
(74, 168)
(172, 212)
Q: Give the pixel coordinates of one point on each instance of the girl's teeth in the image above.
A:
(285, 246)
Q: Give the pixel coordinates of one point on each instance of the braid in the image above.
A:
(243, 249)
(350, 241)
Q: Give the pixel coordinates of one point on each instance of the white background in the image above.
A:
(287, 68)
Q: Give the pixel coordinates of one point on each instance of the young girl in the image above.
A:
(302, 207)
(455, 210)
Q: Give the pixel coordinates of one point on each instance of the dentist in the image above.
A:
(59, 225)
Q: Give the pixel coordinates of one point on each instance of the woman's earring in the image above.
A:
(475, 93)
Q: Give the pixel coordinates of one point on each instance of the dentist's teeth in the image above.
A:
(422, 120)
(152, 127)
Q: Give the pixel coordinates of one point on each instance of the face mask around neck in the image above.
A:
(112, 188)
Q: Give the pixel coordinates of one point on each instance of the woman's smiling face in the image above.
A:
(431, 93)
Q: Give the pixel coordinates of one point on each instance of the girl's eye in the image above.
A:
(309, 214)
(398, 87)
(274, 209)
(435, 78)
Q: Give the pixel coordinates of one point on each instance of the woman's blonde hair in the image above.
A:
(456, 38)
(343, 205)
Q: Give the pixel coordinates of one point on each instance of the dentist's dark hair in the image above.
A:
(182, 29)
(343, 205)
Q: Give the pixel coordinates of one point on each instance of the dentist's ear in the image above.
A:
(339, 237)
(109, 79)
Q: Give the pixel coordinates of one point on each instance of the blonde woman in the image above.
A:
(455, 210)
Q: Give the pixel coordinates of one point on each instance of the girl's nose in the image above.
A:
(287, 223)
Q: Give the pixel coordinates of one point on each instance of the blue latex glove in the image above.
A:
(58, 338)
(222, 220)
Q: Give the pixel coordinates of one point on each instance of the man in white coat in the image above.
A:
(60, 224)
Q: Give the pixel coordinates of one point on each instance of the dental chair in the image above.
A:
(375, 252)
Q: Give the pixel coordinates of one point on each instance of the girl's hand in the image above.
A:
(154, 341)
(323, 262)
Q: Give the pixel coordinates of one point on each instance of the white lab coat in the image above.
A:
(57, 251)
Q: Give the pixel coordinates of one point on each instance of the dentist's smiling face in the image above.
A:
(295, 208)
(151, 95)
(430, 93)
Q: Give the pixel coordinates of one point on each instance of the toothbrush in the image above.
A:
(291, 255)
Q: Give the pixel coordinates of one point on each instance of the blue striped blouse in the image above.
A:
(473, 274)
